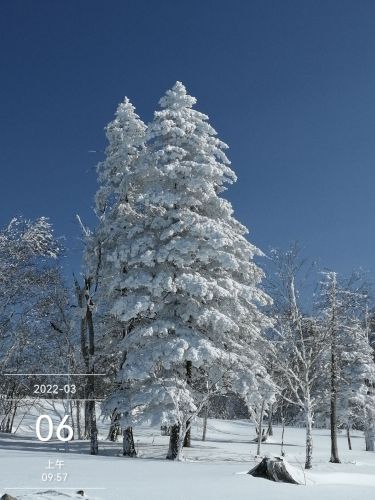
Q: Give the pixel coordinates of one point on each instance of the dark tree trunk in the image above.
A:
(187, 439)
(91, 377)
(348, 436)
(115, 429)
(81, 295)
(282, 437)
(173, 442)
(86, 434)
(370, 439)
(94, 448)
(270, 428)
(205, 418)
(70, 403)
(78, 419)
(128, 448)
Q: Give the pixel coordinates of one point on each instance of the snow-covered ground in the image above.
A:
(214, 469)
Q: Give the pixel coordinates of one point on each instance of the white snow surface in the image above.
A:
(215, 469)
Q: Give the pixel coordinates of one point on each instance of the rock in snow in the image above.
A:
(277, 469)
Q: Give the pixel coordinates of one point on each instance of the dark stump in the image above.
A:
(274, 469)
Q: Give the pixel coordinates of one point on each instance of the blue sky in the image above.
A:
(289, 85)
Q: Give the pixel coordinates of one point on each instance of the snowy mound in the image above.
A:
(278, 470)
(53, 495)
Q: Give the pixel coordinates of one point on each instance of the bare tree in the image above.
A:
(298, 345)
(342, 305)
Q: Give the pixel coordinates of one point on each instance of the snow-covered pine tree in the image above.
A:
(125, 135)
(187, 286)
(119, 186)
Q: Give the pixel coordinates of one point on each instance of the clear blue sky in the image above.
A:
(289, 85)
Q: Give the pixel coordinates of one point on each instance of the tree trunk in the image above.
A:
(370, 439)
(270, 428)
(94, 448)
(187, 438)
(370, 444)
(78, 419)
(81, 295)
(114, 430)
(282, 437)
(87, 433)
(260, 428)
(70, 405)
(205, 418)
(348, 436)
(128, 448)
(309, 440)
(176, 442)
(333, 417)
(91, 377)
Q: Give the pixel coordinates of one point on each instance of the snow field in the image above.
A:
(214, 469)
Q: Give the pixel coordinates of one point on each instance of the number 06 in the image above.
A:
(59, 434)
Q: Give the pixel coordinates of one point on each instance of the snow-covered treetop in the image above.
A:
(184, 147)
(125, 135)
(177, 97)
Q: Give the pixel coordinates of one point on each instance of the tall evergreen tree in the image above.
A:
(187, 286)
(119, 186)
